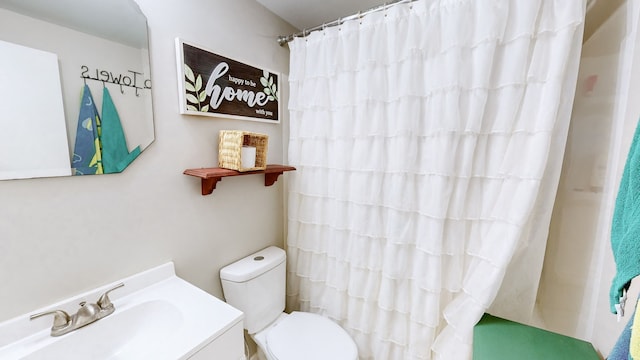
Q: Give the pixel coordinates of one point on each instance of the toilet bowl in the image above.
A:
(256, 286)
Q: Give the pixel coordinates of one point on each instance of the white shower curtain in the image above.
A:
(428, 140)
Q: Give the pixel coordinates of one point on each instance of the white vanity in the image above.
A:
(157, 316)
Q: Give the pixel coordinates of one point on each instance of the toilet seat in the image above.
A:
(309, 336)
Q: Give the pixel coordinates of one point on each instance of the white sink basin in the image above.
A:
(151, 322)
(157, 316)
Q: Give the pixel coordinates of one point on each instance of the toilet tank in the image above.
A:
(256, 286)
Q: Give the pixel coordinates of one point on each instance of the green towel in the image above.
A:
(115, 154)
(625, 227)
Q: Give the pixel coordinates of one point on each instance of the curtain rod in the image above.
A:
(282, 40)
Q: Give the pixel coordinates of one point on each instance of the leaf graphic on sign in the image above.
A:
(188, 73)
(193, 94)
(192, 99)
(198, 83)
(270, 87)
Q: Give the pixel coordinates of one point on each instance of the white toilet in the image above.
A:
(256, 286)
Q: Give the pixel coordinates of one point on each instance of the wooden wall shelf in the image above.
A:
(211, 176)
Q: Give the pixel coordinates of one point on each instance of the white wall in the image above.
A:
(62, 236)
(32, 144)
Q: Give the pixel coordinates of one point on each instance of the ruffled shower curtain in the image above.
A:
(428, 141)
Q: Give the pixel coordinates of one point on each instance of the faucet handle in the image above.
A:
(104, 302)
(60, 318)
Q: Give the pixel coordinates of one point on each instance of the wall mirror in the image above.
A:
(75, 88)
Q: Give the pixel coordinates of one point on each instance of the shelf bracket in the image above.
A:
(271, 178)
(208, 185)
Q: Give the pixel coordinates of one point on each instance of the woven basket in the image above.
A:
(230, 149)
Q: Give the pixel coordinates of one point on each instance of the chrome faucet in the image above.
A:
(88, 313)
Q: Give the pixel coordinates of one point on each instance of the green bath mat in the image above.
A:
(495, 338)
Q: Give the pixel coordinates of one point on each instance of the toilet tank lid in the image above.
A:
(253, 265)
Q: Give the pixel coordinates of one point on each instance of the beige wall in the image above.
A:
(573, 298)
(62, 236)
(597, 15)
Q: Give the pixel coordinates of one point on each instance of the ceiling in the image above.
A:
(305, 14)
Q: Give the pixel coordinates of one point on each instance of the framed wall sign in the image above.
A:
(213, 85)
